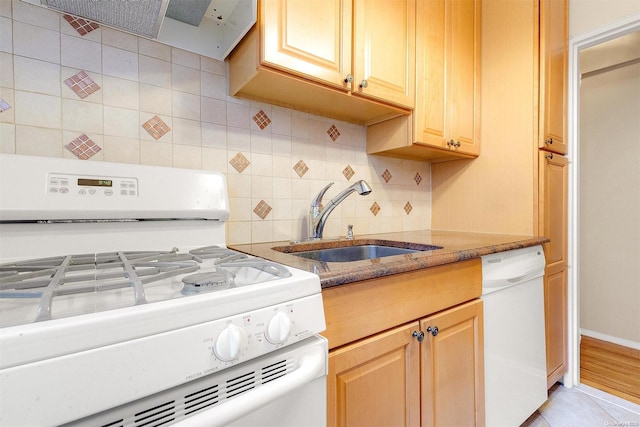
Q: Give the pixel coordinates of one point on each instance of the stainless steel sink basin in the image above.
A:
(353, 251)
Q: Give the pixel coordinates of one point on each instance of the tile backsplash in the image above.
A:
(73, 89)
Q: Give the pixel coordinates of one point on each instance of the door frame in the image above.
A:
(576, 45)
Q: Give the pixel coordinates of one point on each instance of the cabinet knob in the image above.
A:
(419, 335)
(549, 156)
(433, 331)
(450, 143)
(457, 144)
(348, 79)
(548, 141)
(364, 84)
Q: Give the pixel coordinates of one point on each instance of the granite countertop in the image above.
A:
(456, 246)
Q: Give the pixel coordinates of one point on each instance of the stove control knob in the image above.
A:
(229, 343)
(278, 329)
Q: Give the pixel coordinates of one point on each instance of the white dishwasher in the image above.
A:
(514, 335)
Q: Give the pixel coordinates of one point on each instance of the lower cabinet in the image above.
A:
(428, 372)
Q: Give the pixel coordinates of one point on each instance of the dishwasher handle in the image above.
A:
(313, 364)
(529, 275)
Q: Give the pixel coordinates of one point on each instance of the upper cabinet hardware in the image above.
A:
(434, 330)
(548, 141)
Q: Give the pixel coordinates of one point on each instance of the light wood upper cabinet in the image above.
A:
(351, 60)
(452, 367)
(553, 75)
(313, 42)
(445, 124)
(376, 381)
(384, 50)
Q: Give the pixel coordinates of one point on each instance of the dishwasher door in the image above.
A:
(514, 335)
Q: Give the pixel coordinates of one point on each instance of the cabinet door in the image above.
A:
(553, 75)
(448, 58)
(310, 40)
(384, 50)
(452, 363)
(553, 179)
(375, 382)
(553, 184)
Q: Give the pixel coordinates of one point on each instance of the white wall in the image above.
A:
(610, 203)
(589, 15)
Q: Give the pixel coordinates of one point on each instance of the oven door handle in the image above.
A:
(313, 364)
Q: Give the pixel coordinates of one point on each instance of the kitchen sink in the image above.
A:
(353, 251)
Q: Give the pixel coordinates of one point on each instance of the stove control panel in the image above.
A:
(91, 186)
(239, 338)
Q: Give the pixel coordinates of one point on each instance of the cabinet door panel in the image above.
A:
(452, 367)
(555, 310)
(384, 44)
(313, 41)
(553, 179)
(375, 382)
(553, 73)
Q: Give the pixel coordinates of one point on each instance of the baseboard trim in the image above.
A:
(615, 340)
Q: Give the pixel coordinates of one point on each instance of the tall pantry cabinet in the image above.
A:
(518, 184)
(553, 178)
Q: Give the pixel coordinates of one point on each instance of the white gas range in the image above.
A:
(119, 303)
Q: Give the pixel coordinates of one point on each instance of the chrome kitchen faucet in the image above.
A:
(318, 214)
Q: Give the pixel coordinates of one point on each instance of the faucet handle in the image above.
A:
(318, 199)
(350, 232)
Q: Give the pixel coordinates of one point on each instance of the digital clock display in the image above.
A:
(95, 182)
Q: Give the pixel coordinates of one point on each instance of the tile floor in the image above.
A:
(584, 406)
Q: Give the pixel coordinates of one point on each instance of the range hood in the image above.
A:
(207, 27)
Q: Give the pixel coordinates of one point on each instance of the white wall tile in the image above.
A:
(185, 105)
(121, 150)
(214, 136)
(213, 111)
(6, 35)
(187, 132)
(182, 57)
(119, 39)
(35, 15)
(119, 63)
(122, 122)
(82, 116)
(214, 159)
(122, 93)
(38, 141)
(156, 153)
(155, 71)
(155, 99)
(238, 115)
(154, 49)
(185, 79)
(7, 138)
(33, 75)
(81, 54)
(238, 139)
(214, 66)
(213, 86)
(36, 42)
(5, 9)
(261, 142)
(34, 109)
(188, 157)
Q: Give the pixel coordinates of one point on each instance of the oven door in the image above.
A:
(293, 400)
(283, 388)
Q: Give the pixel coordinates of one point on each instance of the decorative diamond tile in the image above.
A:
(261, 119)
(301, 168)
(386, 175)
(408, 208)
(333, 133)
(82, 26)
(83, 147)
(239, 162)
(82, 84)
(348, 172)
(375, 208)
(3, 105)
(156, 127)
(262, 209)
(417, 178)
